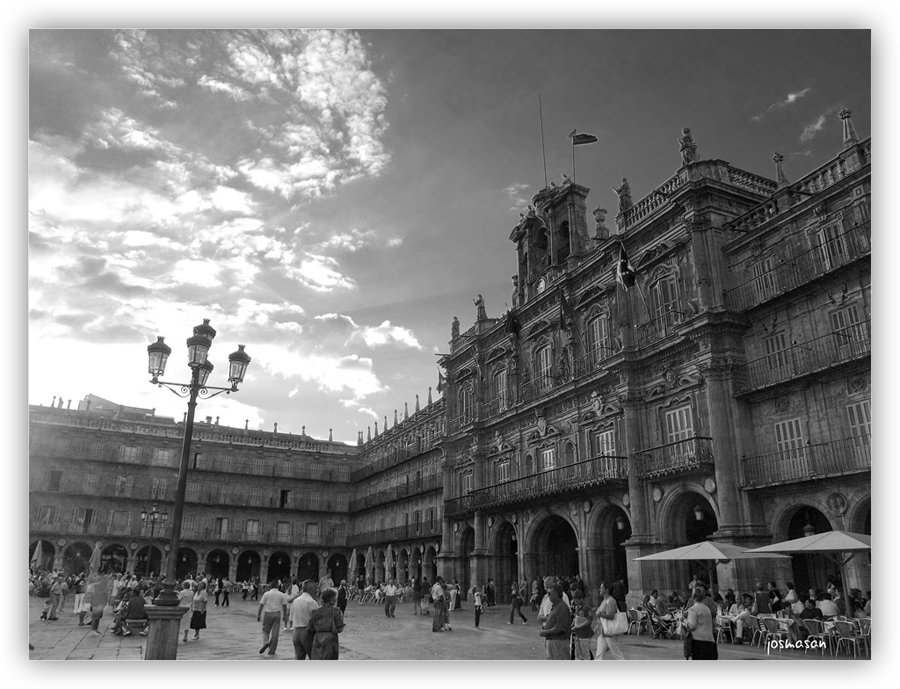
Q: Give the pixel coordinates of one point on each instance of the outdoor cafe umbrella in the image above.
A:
(351, 575)
(388, 562)
(38, 557)
(94, 562)
(708, 550)
(837, 546)
(369, 562)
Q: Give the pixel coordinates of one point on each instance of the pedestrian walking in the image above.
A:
(218, 590)
(55, 598)
(343, 595)
(226, 591)
(325, 623)
(515, 605)
(245, 590)
(416, 595)
(272, 608)
(478, 601)
(198, 609)
(390, 598)
(607, 611)
(186, 600)
(437, 596)
(81, 607)
(301, 611)
(582, 618)
(426, 596)
(99, 597)
(557, 627)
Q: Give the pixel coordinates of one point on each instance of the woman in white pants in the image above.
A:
(606, 611)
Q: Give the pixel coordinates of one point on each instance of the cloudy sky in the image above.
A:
(331, 199)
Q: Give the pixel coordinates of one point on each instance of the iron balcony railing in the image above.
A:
(397, 533)
(659, 328)
(592, 472)
(800, 359)
(592, 361)
(423, 485)
(808, 462)
(836, 252)
(682, 456)
(458, 422)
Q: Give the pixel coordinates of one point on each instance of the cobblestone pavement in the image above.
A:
(234, 634)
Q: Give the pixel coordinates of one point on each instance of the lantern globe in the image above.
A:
(158, 354)
(237, 366)
(205, 369)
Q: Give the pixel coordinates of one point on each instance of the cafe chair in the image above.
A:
(849, 636)
(816, 630)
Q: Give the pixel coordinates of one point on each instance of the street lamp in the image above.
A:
(153, 517)
(158, 354)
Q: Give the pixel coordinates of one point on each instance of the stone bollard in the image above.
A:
(165, 625)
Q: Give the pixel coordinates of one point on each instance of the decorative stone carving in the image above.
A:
(454, 328)
(596, 402)
(858, 384)
(782, 404)
(586, 506)
(481, 311)
(624, 194)
(837, 504)
(657, 494)
(626, 499)
(601, 231)
(709, 485)
(688, 147)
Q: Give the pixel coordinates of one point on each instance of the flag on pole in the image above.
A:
(625, 274)
(442, 383)
(566, 312)
(579, 139)
(512, 324)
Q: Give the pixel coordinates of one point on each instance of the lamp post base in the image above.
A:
(165, 624)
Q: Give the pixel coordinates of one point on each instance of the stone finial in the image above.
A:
(688, 147)
(417, 401)
(53, 403)
(395, 418)
(601, 231)
(376, 429)
(385, 423)
(368, 433)
(330, 439)
(246, 424)
(454, 330)
(303, 430)
(780, 177)
(69, 404)
(405, 411)
(359, 438)
(429, 394)
(850, 137)
(275, 432)
(217, 418)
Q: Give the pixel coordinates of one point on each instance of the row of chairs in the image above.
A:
(852, 634)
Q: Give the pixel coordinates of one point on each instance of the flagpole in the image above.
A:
(543, 152)
(573, 160)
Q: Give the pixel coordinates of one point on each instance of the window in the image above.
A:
(119, 522)
(764, 278)
(158, 492)
(340, 532)
(251, 529)
(285, 499)
(90, 483)
(465, 483)
(255, 496)
(130, 453)
(220, 528)
(789, 438)
(192, 491)
(679, 424)
(500, 387)
(604, 443)
(548, 459)
(665, 296)
(544, 365)
(54, 479)
(124, 485)
(189, 524)
(431, 516)
(312, 533)
(776, 352)
(96, 450)
(465, 402)
(503, 470)
(417, 520)
(858, 415)
(848, 330)
(830, 241)
(163, 458)
(598, 336)
(82, 520)
(47, 514)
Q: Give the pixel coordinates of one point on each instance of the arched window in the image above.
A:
(598, 336)
(544, 365)
(569, 453)
(499, 385)
(464, 400)
(664, 296)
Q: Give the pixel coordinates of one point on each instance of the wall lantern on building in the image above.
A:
(809, 529)
(698, 513)
(620, 523)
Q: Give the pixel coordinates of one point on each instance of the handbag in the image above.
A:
(616, 626)
(688, 645)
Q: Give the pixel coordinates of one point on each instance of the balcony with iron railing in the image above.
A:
(808, 462)
(812, 356)
(839, 251)
(460, 421)
(593, 361)
(659, 328)
(404, 490)
(597, 471)
(680, 457)
(398, 533)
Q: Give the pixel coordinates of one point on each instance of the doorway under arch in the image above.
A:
(811, 570)
(614, 528)
(149, 560)
(507, 561)
(113, 559)
(279, 566)
(691, 519)
(48, 554)
(76, 558)
(556, 548)
(467, 545)
(337, 563)
(186, 563)
(248, 566)
(218, 563)
(308, 567)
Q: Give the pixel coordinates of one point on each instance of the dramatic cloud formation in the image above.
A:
(791, 99)
(811, 131)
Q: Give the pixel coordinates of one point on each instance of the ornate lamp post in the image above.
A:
(162, 642)
(153, 517)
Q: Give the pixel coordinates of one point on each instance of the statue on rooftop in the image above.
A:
(688, 147)
(515, 294)
(624, 194)
(454, 328)
(481, 313)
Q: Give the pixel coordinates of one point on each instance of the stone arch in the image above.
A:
(338, 565)
(674, 508)
(248, 566)
(114, 558)
(552, 543)
(308, 567)
(859, 516)
(403, 565)
(279, 566)
(149, 560)
(808, 570)
(48, 554)
(218, 563)
(818, 517)
(569, 453)
(504, 545)
(610, 527)
(76, 557)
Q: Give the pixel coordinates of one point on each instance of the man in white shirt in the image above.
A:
(437, 597)
(390, 598)
(292, 593)
(272, 606)
(301, 610)
(828, 607)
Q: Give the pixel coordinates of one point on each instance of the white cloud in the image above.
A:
(386, 334)
(330, 372)
(321, 274)
(811, 131)
(197, 272)
(790, 99)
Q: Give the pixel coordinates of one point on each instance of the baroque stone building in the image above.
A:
(725, 394)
